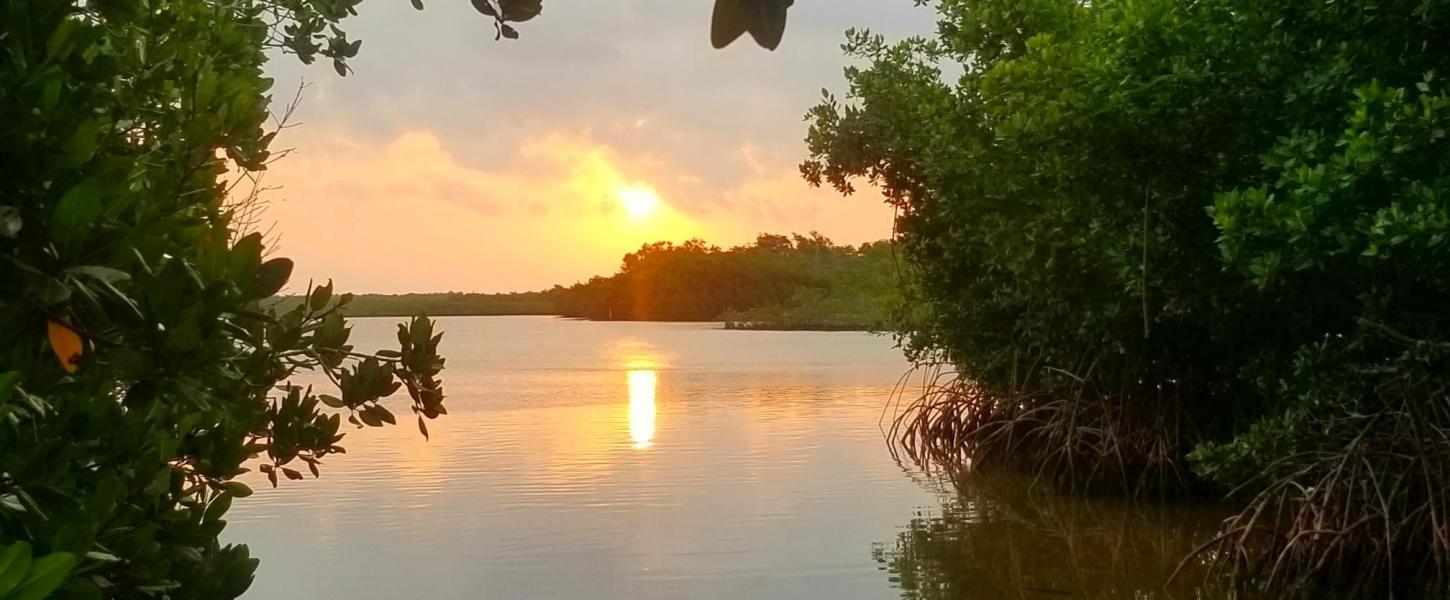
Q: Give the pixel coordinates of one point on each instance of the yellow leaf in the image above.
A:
(67, 345)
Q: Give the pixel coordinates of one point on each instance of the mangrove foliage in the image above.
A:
(1177, 246)
(140, 373)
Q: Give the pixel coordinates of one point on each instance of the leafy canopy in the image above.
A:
(1151, 227)
(139, 371)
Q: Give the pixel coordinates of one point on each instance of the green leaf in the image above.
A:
(102, 274)
(77, 210)
(8, 381)
(45, 575)
(205, 90)
(418, 4)
(14, 564)
(51, 292)
(10, 222)
(102, 556)
(58, 46)
(50, 94)
(83, 142)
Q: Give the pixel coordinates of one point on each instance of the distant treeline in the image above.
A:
(446, 304)
(779, 282)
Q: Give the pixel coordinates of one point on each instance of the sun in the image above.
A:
(639, 201)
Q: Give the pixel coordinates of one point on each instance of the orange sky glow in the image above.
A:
(411, 176)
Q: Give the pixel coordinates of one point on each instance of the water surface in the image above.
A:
(652, 460)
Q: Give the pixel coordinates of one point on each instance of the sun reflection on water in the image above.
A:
(642, 408)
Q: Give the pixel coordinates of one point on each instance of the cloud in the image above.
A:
(447, 151)
(550, 173)
(407, 213)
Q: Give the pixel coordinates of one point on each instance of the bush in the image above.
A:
(139, 371)
(1137, 223)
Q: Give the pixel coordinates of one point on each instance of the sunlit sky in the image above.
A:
(451, 162)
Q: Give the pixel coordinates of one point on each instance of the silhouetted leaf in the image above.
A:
(764, 19)
(237, 489)
(521, 10)
(728, 23)
(769, 27)
(217, 508)
(321, 295)
(271, 276)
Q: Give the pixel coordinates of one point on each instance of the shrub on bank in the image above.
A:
(139, 371)
(1144, 231)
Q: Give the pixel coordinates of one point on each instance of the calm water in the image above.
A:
(663, 460)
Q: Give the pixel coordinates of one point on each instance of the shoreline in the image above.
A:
(724, 324)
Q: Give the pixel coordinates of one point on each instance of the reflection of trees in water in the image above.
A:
(999, 538)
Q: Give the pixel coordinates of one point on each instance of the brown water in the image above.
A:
(664, 460)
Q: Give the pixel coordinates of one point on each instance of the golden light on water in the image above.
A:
(642, 408)
(639, 201)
